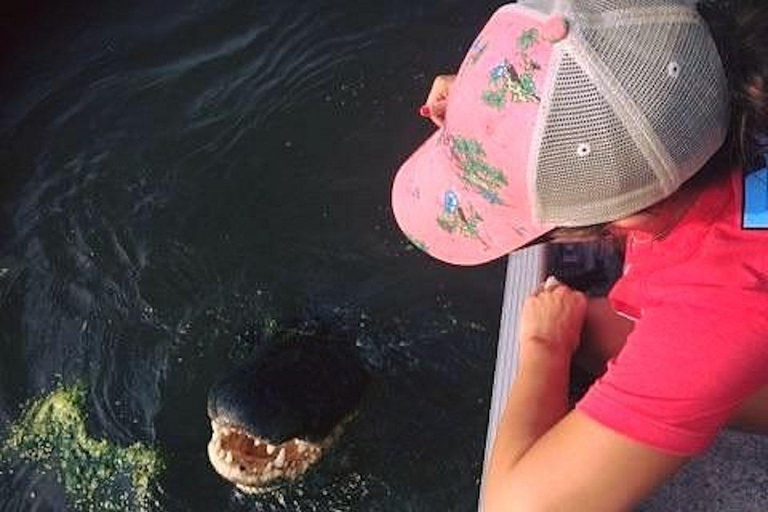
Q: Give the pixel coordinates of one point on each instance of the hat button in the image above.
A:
(555, 29)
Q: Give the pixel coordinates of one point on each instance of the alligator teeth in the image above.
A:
(229, 457)
(270, 473)
(248, 489)
(256, 442)
(270, 449)
(280, 459)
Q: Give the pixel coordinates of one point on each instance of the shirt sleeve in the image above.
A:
(682, 373)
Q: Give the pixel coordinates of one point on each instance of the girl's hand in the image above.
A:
(437, 101)
(553, 317)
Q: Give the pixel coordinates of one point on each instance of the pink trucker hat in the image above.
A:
(564, 113)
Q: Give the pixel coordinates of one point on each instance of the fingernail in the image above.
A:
(551, 282)
(424, 111)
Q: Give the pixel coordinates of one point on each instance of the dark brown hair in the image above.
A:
(740, 31)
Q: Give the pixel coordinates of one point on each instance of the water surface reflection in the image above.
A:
(182, 178)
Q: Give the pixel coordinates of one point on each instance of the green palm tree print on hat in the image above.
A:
(506, 84)
(454, 219)
(476, 172)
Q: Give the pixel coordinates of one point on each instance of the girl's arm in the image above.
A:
(546, 458)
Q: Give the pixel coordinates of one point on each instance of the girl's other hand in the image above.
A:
(437, 101)
(553, 317)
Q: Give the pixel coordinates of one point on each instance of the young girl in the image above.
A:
(638, 117)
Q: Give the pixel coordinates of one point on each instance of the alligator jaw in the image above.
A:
(254, 464)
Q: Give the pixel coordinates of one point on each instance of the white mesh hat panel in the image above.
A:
(638, 105)
(576, 7)
(588, 164)
(542, 6)
(591, 6)
(683, 109)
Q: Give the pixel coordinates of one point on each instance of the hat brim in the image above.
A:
(445, 216)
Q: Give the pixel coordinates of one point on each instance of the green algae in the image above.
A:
(96, 475)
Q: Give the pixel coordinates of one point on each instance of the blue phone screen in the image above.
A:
(755, 215)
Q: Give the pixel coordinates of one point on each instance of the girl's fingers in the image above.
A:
(434, 111)
(437, 112)
(550, 283)
(441, 88)
(437, 100)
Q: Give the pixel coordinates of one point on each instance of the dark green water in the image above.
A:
(178, 178)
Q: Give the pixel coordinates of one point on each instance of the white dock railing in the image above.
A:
(524, 273)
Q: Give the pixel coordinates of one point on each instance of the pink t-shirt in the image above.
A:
(700, 343)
